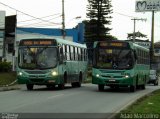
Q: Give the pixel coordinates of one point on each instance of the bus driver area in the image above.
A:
(119, 61)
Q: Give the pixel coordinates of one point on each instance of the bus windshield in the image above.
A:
(37, 57)
(114, 58)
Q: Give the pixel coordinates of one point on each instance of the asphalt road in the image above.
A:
(86, 100)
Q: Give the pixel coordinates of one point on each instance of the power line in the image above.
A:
(136, 19)
(41, 18)
(124, 15)
(26, 13)
(31, 24)
(36, 25)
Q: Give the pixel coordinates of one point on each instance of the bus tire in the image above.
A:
(61, 86)
(143, 86)
(100, 87)
(29, 86)
(74, 84)
(156, 83)
(132, 88)
(50, 86)
(80, 80)
(112, 87)
(65, 77)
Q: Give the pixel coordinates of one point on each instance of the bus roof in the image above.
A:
(138, 46)
(67, 42)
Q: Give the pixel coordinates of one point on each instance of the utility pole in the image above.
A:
(136, 19)
(63, 20)
(152, 41)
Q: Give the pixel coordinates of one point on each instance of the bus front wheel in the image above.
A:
(29, 86)
(80, 80)
(143, 86)
(61, 86)
(156, 82)
(100, 87)
(132, 88)
(50, 86)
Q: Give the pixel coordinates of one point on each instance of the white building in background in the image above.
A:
(2, 32)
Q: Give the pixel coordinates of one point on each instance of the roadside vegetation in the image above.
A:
(89, 75)
(145, 106)
(6, 75)
(7, 78)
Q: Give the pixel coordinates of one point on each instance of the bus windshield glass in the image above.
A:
(114, 58)
(37, 57)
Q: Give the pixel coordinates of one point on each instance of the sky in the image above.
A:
(47, 13)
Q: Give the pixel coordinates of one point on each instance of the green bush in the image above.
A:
(5, 66)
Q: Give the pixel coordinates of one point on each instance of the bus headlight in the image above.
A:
(97, 75)
(20, 73)
(54, 73)
(126, 76)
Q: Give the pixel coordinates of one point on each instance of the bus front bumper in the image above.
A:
(125, 81)
(39, 80)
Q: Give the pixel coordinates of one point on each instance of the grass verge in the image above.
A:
(148, 105)
(89, 76)
(7, 78)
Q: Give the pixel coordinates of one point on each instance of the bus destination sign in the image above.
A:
(112, 44)
(37, 42)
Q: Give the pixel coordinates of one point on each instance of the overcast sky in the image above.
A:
(50, 10)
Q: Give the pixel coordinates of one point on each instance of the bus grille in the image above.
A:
(36, 76)
(112, 76)
(111, 71)
(37, 80)
(36, 72)
(112, 82)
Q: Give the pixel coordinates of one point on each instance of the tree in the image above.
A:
(96, 28)
(99, 17)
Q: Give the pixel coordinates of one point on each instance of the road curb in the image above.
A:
(8, 88)
(11, 86)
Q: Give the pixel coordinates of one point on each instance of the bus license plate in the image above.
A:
(112, 80)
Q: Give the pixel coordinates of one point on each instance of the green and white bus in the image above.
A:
(120, 64)
(51, 62)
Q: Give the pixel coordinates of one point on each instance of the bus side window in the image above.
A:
(79, 54)
(61, 55)
(75, 54)
(85, 54)
(61, 50)
(135, 55)
(64, 52)
(74, 57)
(68, 52)
(71, 53)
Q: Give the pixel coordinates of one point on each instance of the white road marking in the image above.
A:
(55, 96)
